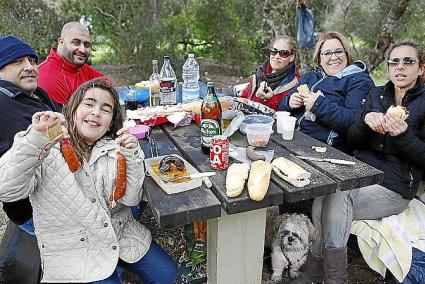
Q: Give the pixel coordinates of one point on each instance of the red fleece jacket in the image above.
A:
(60, 79)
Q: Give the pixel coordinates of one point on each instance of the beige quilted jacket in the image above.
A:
(78, 237)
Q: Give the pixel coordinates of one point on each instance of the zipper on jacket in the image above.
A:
(411, 179)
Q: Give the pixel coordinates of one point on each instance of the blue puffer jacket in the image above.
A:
(343, 93)
(402, 157)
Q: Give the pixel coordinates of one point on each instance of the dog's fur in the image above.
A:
(289, 237)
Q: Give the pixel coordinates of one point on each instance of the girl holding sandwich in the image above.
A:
(335, 89)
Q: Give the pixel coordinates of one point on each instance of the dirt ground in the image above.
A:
(172, 240)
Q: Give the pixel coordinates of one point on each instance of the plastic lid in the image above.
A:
(210, 84)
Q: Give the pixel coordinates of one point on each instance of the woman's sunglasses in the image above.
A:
(394, 62)
(284, 53)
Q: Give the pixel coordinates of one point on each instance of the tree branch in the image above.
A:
(385, 38)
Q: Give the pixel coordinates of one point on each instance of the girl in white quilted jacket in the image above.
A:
(80, 236)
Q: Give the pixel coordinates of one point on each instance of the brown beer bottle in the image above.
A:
(210, 118)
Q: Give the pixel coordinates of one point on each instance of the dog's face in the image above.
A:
(294, 231)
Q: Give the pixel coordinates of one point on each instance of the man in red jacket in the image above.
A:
(65, 67)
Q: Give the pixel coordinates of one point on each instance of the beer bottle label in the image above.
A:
(210, 99)
(209, 128)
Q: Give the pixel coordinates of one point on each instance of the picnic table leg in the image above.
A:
(235, 247)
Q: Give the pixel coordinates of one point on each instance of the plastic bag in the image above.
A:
(305, 27)
(192, 266)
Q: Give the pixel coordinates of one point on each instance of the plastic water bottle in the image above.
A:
(190, 74)
(168, 83)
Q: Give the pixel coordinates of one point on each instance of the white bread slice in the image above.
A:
(291, 172)
(235, 179)
(259, 179)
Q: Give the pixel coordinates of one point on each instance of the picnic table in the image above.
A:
(236, 226)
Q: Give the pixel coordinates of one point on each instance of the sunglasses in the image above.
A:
(328, 54)
(284, 53)
(394, 62)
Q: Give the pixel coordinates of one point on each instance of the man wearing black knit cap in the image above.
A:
(20, 98)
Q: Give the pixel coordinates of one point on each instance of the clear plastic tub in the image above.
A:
(256, 118)
(258, 134)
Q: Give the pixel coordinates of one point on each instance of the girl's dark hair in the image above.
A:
(420, 52)
(70, 109)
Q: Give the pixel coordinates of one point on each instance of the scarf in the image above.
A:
(264, 73)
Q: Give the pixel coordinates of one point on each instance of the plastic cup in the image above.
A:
(280, 116)
(288, 126)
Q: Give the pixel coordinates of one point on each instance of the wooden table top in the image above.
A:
(203, 203)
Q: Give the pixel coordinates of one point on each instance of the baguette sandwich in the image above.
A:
(235, 179)
(291, 172)
(259, 179)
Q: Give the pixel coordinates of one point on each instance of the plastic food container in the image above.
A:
(257, 119)
(258, 134)
(140, 131)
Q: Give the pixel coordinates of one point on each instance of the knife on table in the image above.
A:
(332, 161)
(190, 176)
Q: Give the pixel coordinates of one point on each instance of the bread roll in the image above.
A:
(399, 111)
(195, 107)
(259, 179)
(291, 172)
(235, 179)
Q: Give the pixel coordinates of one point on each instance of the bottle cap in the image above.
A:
(210, 84)
(191, 55)
(166, 57)
(154, 61)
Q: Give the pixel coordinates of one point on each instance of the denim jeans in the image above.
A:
(28, 227)
(333, 214)
(155, 267)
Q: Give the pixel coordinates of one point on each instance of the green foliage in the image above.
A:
(32, 21)
(232, 32)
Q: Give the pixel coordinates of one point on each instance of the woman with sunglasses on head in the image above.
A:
(391, 143)
(337, 86)
(276, 76)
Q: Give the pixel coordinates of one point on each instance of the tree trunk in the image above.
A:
(385, 38)
(154, 13)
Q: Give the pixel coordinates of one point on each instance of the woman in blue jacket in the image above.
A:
(393, 144)
(337, 87)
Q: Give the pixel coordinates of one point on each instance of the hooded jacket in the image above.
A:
(60, 78)
(334, 111)
(79, 238)
(402, 157)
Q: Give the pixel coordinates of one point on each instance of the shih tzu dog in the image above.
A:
(289, 237)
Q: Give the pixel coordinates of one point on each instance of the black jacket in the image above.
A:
(16, 110)
(402, 157)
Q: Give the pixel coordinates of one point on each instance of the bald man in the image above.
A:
(65, 67)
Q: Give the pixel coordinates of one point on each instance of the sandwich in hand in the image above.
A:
(235, 179)
(303, 89)
(399, 111)
(259, 179)
(291, 172)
